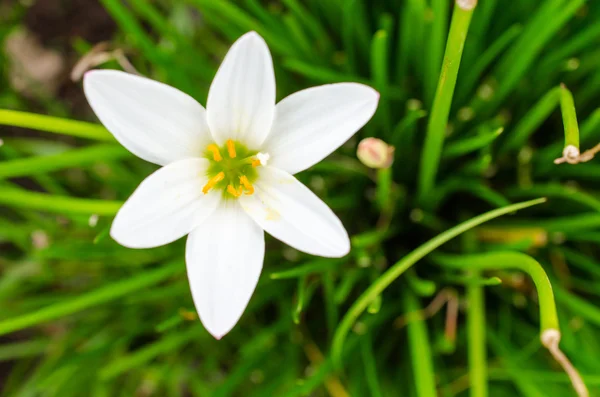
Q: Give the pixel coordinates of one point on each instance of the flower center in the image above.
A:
(232, 168)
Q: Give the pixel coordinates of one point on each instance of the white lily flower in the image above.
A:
(215, 184)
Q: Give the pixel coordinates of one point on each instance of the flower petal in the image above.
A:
(157, 123)
(290, 212)
(166, 206)
(312, 123)
(241, 100)
(224, 259)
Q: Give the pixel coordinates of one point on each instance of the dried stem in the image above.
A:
(571, 155)
(98, 55)
(550, 339)
(446, 295)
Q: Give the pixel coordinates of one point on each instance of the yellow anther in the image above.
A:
(255, 163)
(247, 185)
(215, 152)
(249, 190)
(235, 193)
(213, 181)
(231, 148)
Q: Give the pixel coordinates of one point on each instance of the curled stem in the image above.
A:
(550, 331)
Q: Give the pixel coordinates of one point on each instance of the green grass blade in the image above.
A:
(20, 198)
(467, 145)
(438, 120)
(435, 49)
(55, 125)
(371, 372)
(531, 121)
(473, 75)
(168, 344)
(91, 299)
(73, 158)
(420, 350)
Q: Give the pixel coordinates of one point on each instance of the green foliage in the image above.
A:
(476, 128)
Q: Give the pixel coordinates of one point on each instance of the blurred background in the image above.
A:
(82, 316)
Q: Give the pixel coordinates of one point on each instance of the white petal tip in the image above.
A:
(342, 252)
(365, 94)
(373, 93)
(252, 34)
(252, 38)
(339, 251)
(217, 334)
(121, 239)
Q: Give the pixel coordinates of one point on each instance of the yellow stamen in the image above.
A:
(231, 148)
(247, 185)
(235, 193)
(255, 163)
(213, 181)
(215, 151)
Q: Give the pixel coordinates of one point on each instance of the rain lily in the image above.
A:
(227, 171)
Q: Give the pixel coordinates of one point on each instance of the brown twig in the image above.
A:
(571, 155)
(98, 55)
(446, 295)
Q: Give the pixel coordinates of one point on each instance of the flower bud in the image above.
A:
(375, 153)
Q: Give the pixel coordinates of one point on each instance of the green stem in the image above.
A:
(436, 128)
(567, 108)
(476, 336)
(420, 350)
(405, 263)
(370, 367)
(384, 189)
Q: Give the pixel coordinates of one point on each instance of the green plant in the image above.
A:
(82, 315)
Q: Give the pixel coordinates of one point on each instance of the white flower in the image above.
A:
(214, 183)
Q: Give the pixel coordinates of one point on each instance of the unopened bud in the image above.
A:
(375, 153)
